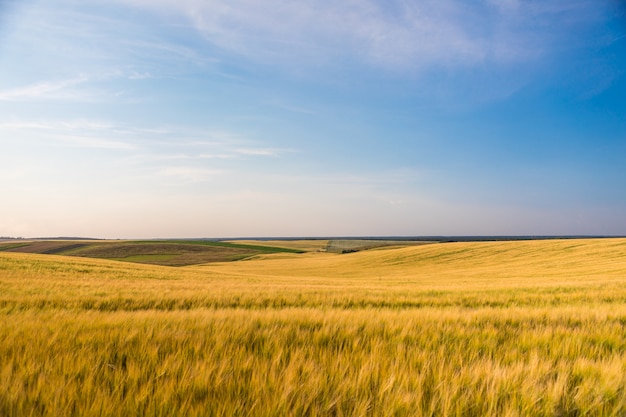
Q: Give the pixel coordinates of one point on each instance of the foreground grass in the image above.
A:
(471, 329)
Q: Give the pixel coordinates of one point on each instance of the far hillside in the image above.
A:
(185, 252)
(157, 252)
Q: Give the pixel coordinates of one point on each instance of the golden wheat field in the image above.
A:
(526, 328)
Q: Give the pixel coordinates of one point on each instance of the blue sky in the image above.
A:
(201, 118)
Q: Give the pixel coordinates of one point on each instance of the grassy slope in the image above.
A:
(504, 328)
(469, 265)
(334, 245)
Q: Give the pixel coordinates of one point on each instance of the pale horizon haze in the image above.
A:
(207, 118)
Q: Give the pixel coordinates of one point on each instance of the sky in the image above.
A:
(247, 118)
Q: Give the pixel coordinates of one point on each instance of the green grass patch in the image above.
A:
(13, 246)
(156, 258)
(260, 248)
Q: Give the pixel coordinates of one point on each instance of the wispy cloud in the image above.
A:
(158, 143)
(88, 87)
(139, 76)
(95, 142)
(189, 157)
(259, 151)
(218, 153)
(167, 51)
(290, 107)
(80, 124)
(78, 133)
(406, 35)
(190, 174)
(43, 90)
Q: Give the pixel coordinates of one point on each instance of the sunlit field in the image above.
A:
(527, 328)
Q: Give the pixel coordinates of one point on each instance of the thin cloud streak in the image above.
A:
(398, 35)
(190, 174)
(148, 145)
(258, 152)
(42, 90)
(98, 143)
(79, 88)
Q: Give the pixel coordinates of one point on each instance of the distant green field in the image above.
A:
(9, 246)
(160, 259)
(159, 252)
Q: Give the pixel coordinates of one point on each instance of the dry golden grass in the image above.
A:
(532, 328)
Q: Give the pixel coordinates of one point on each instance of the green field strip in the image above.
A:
(13, 246)
(260, 248)
(146, 258)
